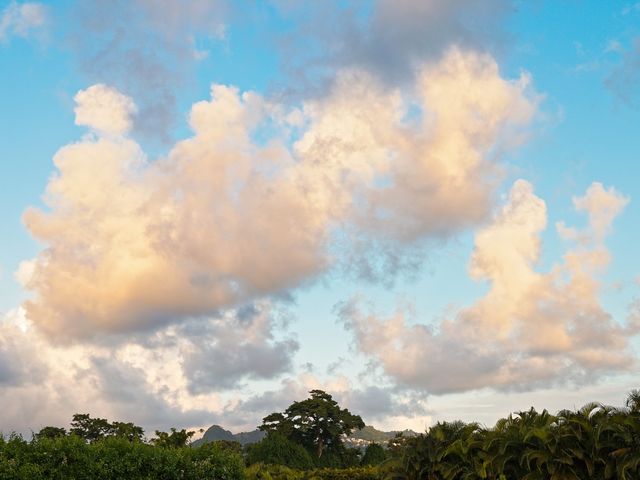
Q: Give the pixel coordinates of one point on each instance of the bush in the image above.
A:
(278, 472)
(113, 458)
(277, 450)
(358, 473)
(339, 457)
(260, 471)
(374, 454)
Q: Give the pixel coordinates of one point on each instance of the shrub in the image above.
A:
(279, 472)
(260, 471)
(113, 458)
(374, 454)
(276, 449)
(358, 473)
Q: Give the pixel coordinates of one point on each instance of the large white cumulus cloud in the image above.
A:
(228, 216)
(531, 329)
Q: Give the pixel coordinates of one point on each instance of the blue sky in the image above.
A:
(426, 208)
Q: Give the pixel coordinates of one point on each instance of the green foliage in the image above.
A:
(594, 442)
(72, 457)
(277, 450)
(175, 439)
(50, 432)
(355, 473)
(261, 471)
(227, 445)
(338, 456)
(374, 454)
(92, 429)
(316, 423)
(279, 472)
(127, 430)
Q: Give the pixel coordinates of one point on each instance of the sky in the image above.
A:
(427, 208)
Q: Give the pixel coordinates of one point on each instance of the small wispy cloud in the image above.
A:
(146, 49)
(22, 19)
(624, 79)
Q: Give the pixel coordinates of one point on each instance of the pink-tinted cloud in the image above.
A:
(224, 219)
(531, 329)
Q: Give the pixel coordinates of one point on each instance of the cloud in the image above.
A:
(128, 394)
(631, 8)
(104, 110)
(145, 48)
(134, 244)
(624, 79)
(19, 361)
(223, 352)
(389, 38)
(229, 216)
(379, 403)
(403, 166)
(149, 49)
(22, 19)
(531, 329)
(381, 406)
(158, 381)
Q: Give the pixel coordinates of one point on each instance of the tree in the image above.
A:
(374, 454)
(50, 432)
(274, 449)
(175, 439)
(92, 429)
(127, 430)
(317, 423)
(633, 401)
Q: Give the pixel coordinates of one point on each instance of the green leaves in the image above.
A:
(92, 429)
(595, 442)
(71, 457)
(174, 439)
(317, 423)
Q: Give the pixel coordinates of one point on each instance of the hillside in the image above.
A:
(367, 435)
(216, 432)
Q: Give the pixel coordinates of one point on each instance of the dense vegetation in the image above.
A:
(595, 442)
(72, 457)
(318, 424)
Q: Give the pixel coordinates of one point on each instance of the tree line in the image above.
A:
(306, 442)
(596, 442)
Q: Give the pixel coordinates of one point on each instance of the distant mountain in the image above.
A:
(245, 438)
(371, 434)
(216, 432)
(367, 435)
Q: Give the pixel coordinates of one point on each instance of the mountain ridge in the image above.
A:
(368, 434)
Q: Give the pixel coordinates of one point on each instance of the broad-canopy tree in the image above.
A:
(318, 423)
(92, 429)
(50, 432)
(274, 449)
(374, 454)
(175, 439)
